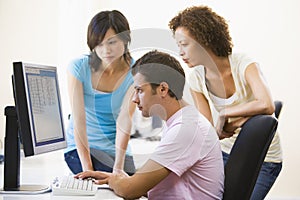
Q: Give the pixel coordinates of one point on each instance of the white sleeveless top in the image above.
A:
(243, 94)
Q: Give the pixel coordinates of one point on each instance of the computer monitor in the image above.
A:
(36, 120)
(39, 111)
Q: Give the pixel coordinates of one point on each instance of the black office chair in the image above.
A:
(247, 156)
(278, 107)
(248, 153)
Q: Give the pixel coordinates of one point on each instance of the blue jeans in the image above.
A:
(268, 173)
(101, 162)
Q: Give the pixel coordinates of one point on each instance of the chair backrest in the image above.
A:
(278, 106)
(247, 156)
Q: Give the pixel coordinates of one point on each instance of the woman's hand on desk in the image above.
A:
(98, 176)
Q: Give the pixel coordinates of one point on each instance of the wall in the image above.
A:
(29, 32)
(53, 32)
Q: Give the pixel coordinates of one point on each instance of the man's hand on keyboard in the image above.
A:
(98, 176)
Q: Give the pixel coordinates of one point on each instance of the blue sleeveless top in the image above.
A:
(101, 109)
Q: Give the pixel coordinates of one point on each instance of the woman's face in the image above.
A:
(111, 48)
(191, 52)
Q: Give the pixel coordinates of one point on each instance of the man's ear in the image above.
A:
(163, 89)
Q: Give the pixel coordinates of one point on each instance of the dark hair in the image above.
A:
(206, 27)
(97, 29)
(159, 67)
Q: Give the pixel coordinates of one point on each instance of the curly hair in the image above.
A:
(206, 27)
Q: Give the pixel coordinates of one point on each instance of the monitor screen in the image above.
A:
(38, 107)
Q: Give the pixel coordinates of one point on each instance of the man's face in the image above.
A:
(144, 97)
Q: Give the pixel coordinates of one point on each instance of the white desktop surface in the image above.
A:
(42, 169)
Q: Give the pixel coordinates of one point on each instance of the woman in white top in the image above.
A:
(227, 88)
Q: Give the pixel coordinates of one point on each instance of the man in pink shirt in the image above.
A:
(187, 163)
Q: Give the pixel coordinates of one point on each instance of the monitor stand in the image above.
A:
(12, 159)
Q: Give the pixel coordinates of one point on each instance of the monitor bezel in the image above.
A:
(24, 111)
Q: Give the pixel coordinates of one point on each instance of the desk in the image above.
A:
(102, 194)
(42, 169)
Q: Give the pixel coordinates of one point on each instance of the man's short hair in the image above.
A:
(159, 67)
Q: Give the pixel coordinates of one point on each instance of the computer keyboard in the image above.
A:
(68, 185)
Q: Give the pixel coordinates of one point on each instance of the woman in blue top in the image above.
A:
(98, 84)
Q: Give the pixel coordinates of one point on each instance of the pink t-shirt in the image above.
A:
(191, 150)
